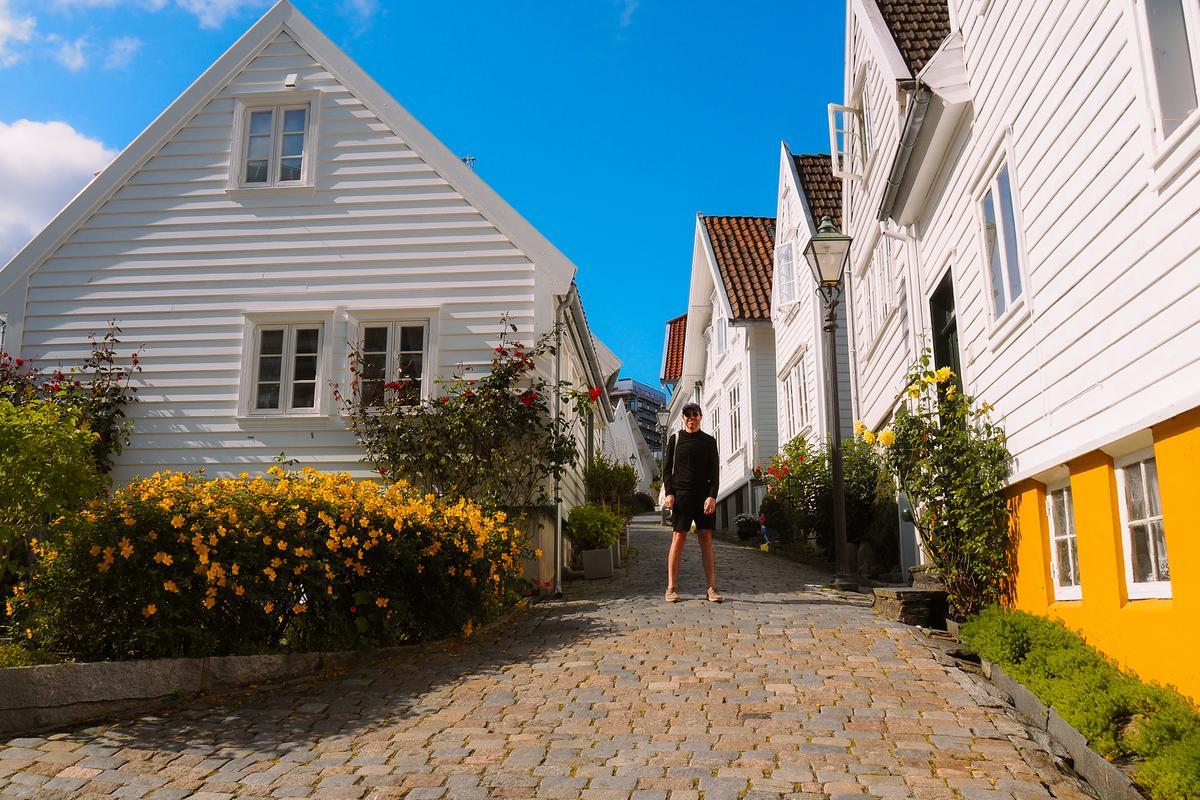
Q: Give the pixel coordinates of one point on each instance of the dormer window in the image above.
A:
(275, 138)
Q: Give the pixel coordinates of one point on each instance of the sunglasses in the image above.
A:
(691, 414)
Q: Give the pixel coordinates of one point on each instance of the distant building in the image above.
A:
(643, 402)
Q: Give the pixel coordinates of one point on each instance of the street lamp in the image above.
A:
(827, 253)
(663, 418)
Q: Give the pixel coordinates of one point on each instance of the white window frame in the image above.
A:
(1019, 308)
(801, 375)
(1068, 591)
(278, 102)
(720, 329)
(1147, 589)
(1170, 154)
(394, 324)
(716, 423)
(251, 341)
(847, 145)
(789, 407)
(735, 420)
(785, 268)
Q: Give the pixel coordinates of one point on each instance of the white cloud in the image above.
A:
(121, 52)
(69, 54)
(627, 9)
(363, 9)
(213, 13)
(13, 28)
(42, 166)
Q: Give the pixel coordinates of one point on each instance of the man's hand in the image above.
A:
(710, 505)
(669, 502)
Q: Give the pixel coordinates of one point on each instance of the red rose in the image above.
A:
(353, 609)
(383, 470)
(20, 362)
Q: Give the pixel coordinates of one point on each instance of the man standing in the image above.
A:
(691, 474)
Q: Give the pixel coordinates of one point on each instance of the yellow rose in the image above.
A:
(868, 437)
(859, 427)
(944, 374)
(887, 438)
(149, 611)
(171, 587)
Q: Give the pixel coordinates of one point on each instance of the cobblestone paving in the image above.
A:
(786, 690)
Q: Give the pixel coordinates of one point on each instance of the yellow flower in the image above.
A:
(164, 558)
(944, 374)
(914, 391)
(177, 521)
(381, 602)
(126, 548)
(209, 602)
(868, 437)
(171, 587)
(951, 390)
(149, 611)
(886, 437)
(269, 607)
(299, 608)
(537, 553)
(468, 628)
(95, 551)
(859, 427)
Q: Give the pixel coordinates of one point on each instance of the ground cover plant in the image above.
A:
(180, 565)
(1120, 715)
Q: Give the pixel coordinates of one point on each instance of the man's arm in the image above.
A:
(714, 474)
(668, 467)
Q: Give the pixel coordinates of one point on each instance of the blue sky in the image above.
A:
(607, 123)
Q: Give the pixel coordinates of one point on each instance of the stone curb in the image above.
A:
(56, 695)
(1109, 781)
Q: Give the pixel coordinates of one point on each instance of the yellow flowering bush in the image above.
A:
(177, 564)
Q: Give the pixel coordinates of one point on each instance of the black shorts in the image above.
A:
(689, 508)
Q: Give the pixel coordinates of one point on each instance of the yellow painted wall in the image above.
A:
(1157, 639)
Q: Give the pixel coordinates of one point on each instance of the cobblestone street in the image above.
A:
(785, 690)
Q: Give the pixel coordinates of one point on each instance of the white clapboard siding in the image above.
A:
(177, 261)
(1111, 264)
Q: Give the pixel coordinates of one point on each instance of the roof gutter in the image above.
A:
(913, 123)
(582, 332)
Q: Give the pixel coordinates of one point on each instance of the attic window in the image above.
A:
(274, 140)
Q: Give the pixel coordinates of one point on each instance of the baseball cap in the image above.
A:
(691, 407)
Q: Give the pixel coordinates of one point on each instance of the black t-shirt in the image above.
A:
(691, 463)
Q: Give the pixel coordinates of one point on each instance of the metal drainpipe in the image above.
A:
(558, 531)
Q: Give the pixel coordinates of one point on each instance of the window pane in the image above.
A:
(289, 169)
(260, 147)
(1159, 540)
(1010, 235)
(306, 340)
(991, 247)
(268, 368)
(1074, 561)
(409, 366)
(372, 393)
(1139, 542)
(1134, 492)
(412, 338)
(293, 119)
(1172, 62)
(304, 395)
(1058, 513)
(293, 144)
(374, 366)
(260, 122)
(1062, 552)
(268, 396)
(306, 368)
(271, 343)
(1155, 509)
(375, 340)
(256, 172)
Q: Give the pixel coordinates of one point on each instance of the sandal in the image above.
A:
(671, 596)
(714, 596)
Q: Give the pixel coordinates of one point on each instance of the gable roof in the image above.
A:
(673, 349)
(283, 17)
(744, 248)
(918, 26)
(823, 191)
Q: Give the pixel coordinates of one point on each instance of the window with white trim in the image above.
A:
(275, 145)
(716, 424)
(287, 368)
(1064, 549)
(1173, 31)
(789, 407)
(735, 419)
(392, 361)
(1001, 252)
(799, 375)
(847, 141)
(785, 269)
(1147, 571)
(720, 330)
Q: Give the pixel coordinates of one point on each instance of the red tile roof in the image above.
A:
(673, 357)
(919, 28)
(824, 192)
(745, 251)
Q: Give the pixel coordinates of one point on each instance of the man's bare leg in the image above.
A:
(706, 553)
(674, 559)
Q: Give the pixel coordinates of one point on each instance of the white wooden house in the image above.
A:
(284, 208)
(727, 361)
(1023, 180)
(808, 191)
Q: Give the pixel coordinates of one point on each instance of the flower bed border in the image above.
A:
(59, 695)
(1109, 781)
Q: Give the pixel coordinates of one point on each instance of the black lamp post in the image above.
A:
(663, 417)
(827, 254)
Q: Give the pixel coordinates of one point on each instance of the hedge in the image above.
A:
(1120, 715)
(179, 565)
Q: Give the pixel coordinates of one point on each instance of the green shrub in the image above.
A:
(46, 469)
(608, 481)
(1119, 715)
(593, 528)
(638, 503)
(176, 565)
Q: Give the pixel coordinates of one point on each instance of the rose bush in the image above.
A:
(178, 565)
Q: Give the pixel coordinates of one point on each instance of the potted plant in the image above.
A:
(593, 531)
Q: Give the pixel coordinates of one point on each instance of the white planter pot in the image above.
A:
(597, 563)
